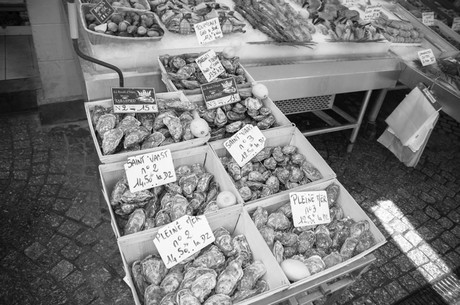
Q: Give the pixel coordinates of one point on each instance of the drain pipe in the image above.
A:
(73, 25)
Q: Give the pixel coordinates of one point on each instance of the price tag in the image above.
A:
(132, 100)
(309, 208)
(428, 18)
(245, 144)
(372, 12)
(150, 170)
(349, 2)
(208, 30)
(426, 57)
(210, 65)
(182, 238)
(220, 93)
(102, 11)
(456, 24)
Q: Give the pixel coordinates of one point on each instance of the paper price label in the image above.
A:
(426, 57)
(309, 208)
(150, 170)
(208, 30)
(182, 238)
(245, 144)
(220, 93)
(456, 24)
(132, 100)
(372, 12)
(210, 65)
(349, 2)
(102, 11)
(428, 18)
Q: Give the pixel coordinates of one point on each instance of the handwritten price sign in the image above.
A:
(428, 18)
(102, 11)
(210, 65)
(245, 144)
(426, 57)
(208, 30)
(309, 208)
(182, 238)
(456, 24)
(150, 170)
(372, 12)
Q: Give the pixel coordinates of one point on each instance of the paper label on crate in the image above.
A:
(150, 170)
(102, 11)
(428, 18)
(456, 24)
(426, 57)
(134, 100)
(208, 30)
(210, 65)
(220, 93)
(245, 144)
(372, 12)
(182, 238)
(309, 208)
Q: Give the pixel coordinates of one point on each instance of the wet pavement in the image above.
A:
(57, 245)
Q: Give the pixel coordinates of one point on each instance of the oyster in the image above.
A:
(229, 278)
(260, 217)
(188, 183)
(105, 123)
(146, 120)
(270, 163)
(234, 170)
(153, 269)
(111, 140)
(192, 273)
(186, 297)
(365, 241)
(246, 169)
(256, 176)
(268, 233)
(333, 192)
(212, 258)
(266, 122)
(210, 207)
(288, 239)
(260, 287)
(323, 238)
(234, 127)
(306, 241)
(235, 116)
(252, 103)
(239, 108)
(135, 222)
(278, 221)
(171, 282)
(169, 299)
(278, 251)
(286, 210)
(135, 136)
(223, 240)
(203, 285)
(204, 182)
(128, 123)
(359, 228)
(221, 119)
(332, 259)
(182, 171)
(296, 174)
(198, 168)
(158, 123)
(174, 127)
(153, 295)
(310, 171)
(117, 193)
(153, 140)
(298, 159)
(218, 299)
(96, 113)
(251, 274)
(315, 264)
(138, 280)
(213, 190)
(162, 218)
(137, 197)
(348, 247)
(178, 207)
(263, 154)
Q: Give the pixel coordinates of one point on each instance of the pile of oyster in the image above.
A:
(184, 72)
(221, 274)
(273, 170)
(318, 247)
(118, 132)
(193, 193)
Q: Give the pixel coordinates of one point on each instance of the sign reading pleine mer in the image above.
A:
(134, 100)
(150, 170)
(182, 238)
(220, 93)
(245, 144)
(309, 208)
(208, 30)
(210, 65)
(102, 11)
(428, 18)
(426, 57)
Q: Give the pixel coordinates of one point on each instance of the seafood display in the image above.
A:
(273, 170)
(398, 31)
(445, 71)
(125, 24)
(223, 273)
(181, 16)
(185, 74)
(118, 133)
(345, 31)
(277, 19)
(136, 4)
(194, 193)
(317, 247)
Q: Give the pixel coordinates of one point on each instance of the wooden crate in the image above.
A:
(89, 106)
(286, 136)
(350, 208)
(111, 173)
(236, 222)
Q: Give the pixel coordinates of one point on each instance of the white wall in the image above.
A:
(59, 70)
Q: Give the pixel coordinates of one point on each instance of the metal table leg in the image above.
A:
(371, 128)
(355, 131)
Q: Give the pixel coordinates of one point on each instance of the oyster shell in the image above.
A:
(153, 295)
(153, 140)
(146, 120)
(260, 287)
(268, 233)
(263, 154)
(256, 176)
(138, 280)
(323, 238)
(204, 182)
(213, 190)
(221, 118)
(105, 123)
(239, 108)
(359, 228)
(178, 207)
(212, 258)
(171, 282)
(182, 171)
(332, 259)
(235, 116)
(135, 222)
(111, 140)
(174, 127)
(162, 218)
(246, 169)
(218, 299)
(118, 190)
(188, 183)
(135, 136)
(203, 285)
(128, 123)
(234, 127)
(153, 269)
(288, 239)
(210, 207)
(169, 299)
(186, 297)
(260, 217)
(229, 278)
(242, 248)
(266, 122)
(315, 264)
(158, 122)
(311, 172)
(365, 241)
(278, 221)
(252, 103)
(234, 170)
(251, 274)
(348, 247)
(306, 241)
(223, 241)
(333, 192)
(286, 210)
(270, 163)
(278, 251)
(296, 174)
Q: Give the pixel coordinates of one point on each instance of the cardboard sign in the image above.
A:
(182, 238)
(428, 18)
(426, 57)
(309, 208)
(208, 30)
(210, 65)
(372, 12)
(245, 144)
(133, 100)
(102, 11)
(150, 170)
(220, 93)
(456, 24)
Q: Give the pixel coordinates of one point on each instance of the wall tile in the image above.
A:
(51, 42)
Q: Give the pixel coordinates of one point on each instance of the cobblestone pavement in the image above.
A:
(57, 244)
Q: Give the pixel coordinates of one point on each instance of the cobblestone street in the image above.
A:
(57, 245)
